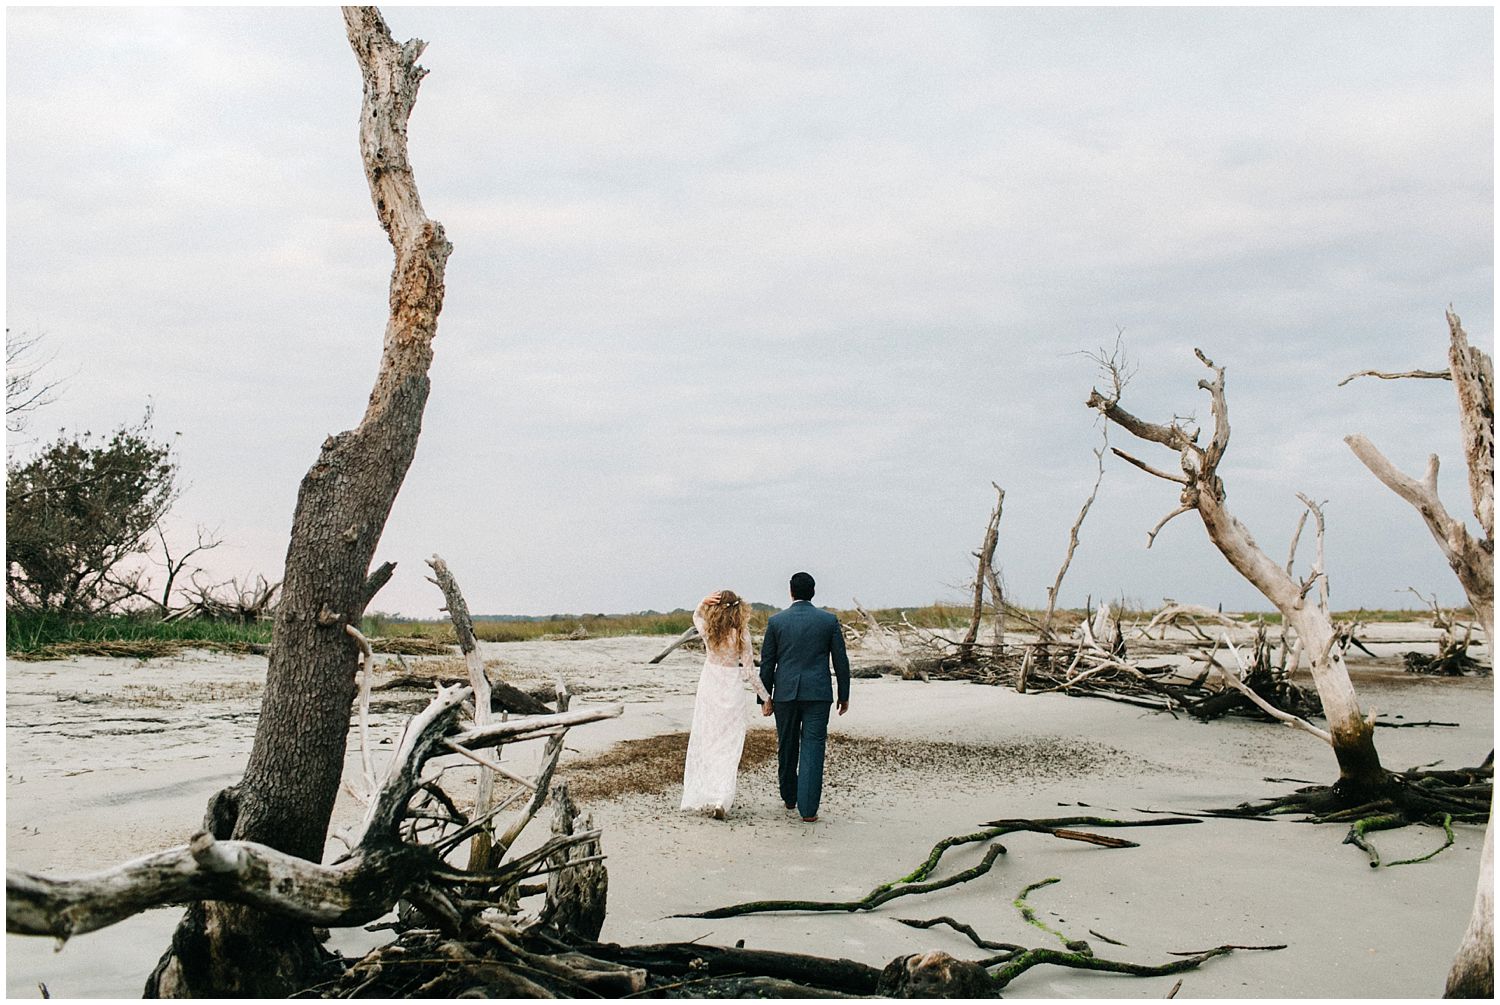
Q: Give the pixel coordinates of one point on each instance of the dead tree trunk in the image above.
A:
(286, 797)
(686, 636)
(463, 628)
(984, 574)
(1473, 972)
(1044, 634)
(1473, 561)
(1351, 735)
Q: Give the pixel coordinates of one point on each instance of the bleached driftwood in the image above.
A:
(1174, 613)
(687, 636)
(1471, 558)
(888, 644)
(1473, 561)
(1045, 631)
(984, 575)
(463, 628)
(357, 888)
(1233, 680)
(1383, 375)
(1203, 491)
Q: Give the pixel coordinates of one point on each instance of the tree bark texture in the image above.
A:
(292, 778)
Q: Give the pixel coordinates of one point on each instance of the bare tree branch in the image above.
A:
(1422, 374)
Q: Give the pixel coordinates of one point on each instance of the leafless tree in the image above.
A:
(1044, 631)
(984, 577)
(1471, 557)
(1349, 732)
(141, 584)
(1473, 560)
(286, 797)
(25, 389)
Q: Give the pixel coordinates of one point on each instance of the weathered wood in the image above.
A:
(1473, 562)
(292, 776)
(359, 887)
(984, 573)
(887, 643)
(1203, 491)
(687, 636)
(463, 629)
(679, 958)
(1045, 630)
(1403, 375)
(1472, 974)
(577, 897)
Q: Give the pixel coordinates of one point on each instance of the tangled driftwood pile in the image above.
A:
(1190, 671)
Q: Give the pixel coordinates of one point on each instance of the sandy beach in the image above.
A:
(109, 759)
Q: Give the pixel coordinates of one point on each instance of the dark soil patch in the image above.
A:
(654, 764)
(634, 767)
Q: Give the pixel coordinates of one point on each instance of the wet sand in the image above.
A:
(109, 759)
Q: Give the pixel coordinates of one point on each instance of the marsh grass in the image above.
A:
(51, 636)
(556, 627)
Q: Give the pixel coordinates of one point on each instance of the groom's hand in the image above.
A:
(766, 708)
(843, 707)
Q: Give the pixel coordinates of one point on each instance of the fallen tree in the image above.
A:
(398, 850)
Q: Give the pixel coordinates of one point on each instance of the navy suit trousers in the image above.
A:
(801, 739)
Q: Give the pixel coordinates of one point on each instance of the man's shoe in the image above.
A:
(809, 820)
(791, 807)
(718, 813)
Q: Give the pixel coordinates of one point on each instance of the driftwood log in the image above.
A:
(685, 637)
(383, 865)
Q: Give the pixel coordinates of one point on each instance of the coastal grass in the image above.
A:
(30, 635)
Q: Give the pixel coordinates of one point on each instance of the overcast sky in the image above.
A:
(740, 292)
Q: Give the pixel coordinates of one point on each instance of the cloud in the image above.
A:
(736, 290)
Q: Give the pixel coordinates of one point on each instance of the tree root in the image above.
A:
(1028, 913)
(1081, 961)
(967, 930)
(495, 960)
(1437, 798)
(873, 899)
(911, 884)
(936, 974)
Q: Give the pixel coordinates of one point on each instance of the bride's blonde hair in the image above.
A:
(722, 621)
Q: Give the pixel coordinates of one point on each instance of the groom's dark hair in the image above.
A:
(802, 586)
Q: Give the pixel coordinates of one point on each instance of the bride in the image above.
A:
(720, 709)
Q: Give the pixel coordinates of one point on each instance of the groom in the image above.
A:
(794, 657)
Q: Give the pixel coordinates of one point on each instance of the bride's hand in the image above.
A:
(712, 599)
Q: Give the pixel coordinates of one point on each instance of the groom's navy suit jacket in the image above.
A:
(795, 653)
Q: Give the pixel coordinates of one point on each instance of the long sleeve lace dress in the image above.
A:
(720, 714)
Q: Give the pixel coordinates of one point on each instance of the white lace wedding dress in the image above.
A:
(720, 714)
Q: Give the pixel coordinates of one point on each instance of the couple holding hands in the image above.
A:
(800, 645)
